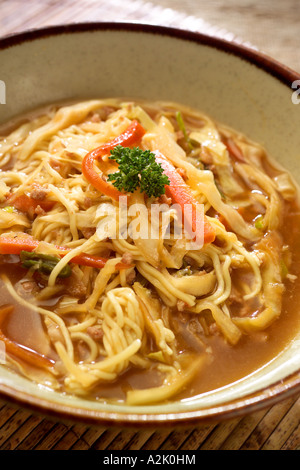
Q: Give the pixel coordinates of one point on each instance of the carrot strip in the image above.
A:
(27, 204)
(234, 150)
(26, 354)
(22, 352)
(180, 194)
(131, 136)
(14, 246)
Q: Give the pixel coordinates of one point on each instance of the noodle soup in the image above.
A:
(92, 306)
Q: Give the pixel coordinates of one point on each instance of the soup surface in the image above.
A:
(147, 253)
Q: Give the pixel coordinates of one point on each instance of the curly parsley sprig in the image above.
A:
(138, 169)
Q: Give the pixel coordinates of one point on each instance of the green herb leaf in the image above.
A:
(43, 263)
(137, 169)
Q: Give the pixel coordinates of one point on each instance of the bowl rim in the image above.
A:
(262, 60)
(288, 387)
(263, 399)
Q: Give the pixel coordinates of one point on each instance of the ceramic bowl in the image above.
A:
(235, 85)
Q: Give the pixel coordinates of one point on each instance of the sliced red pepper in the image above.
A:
(128, 138)
(180, 194)
(18, 350)
(27, 204)
(26, 354)
(234, 150)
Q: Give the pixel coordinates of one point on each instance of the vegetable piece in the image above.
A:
(259, 222)
(27, 204)
(22, 352)
(14, 246)
(181, 126)
(180, 194)
(196, 284)
(43, 263)
(9, 209)
(169, 388)
(130, 137)
(26, 354)
(157, 356)
(138, 169)
(272, 285)
(234, 150)
(284, 269)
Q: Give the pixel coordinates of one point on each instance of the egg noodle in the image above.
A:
(119, 316)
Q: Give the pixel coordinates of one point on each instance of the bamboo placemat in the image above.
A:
(17, 15)
(274, 428)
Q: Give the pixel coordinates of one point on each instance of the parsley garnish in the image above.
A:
(137, 169)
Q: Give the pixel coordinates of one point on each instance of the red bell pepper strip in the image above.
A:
(234, 150)
(27, 204)
(14, 246)
(180, 194)
(128, 138)
(18, 350)
(26, 354)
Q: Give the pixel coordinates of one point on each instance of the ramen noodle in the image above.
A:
(90, 306)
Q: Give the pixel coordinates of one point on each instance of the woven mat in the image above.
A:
(273, 428)
(52, 12)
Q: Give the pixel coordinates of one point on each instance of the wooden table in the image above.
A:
(274, 28)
